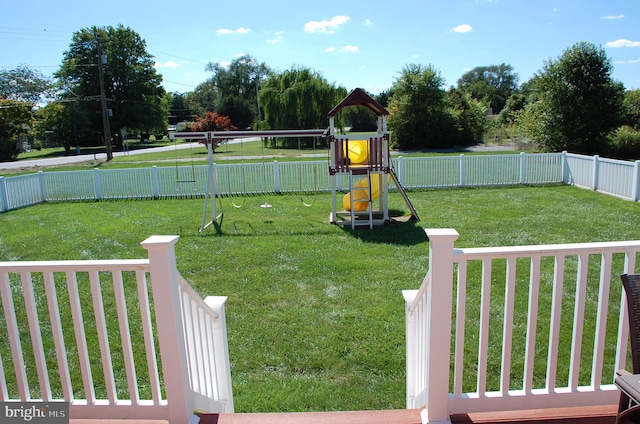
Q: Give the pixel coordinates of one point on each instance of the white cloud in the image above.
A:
(327, 27)
(167, 64)
(462, 28)
(278, 37)
(626, 62)
(623, 42)
(226, 31)
(368, 22)
(344, 49)
(613, 17)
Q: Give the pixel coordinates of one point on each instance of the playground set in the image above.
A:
(366, 163)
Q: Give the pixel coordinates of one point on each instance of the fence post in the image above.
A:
(463, 171)
(213, 185)
(635, 184)
(221, 348)
(43, 192)
(522, 164)
(564, 163)
(96, 183)
(4, 198)
(166, 300)
(596, 167)
(155, 182)
(400, 170)
(276, 176)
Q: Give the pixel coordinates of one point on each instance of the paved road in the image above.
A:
(64, 160)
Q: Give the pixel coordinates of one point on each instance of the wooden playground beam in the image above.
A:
(208, 136)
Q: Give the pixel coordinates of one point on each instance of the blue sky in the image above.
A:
(353, 43)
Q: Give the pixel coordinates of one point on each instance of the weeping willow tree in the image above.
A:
(299, 98)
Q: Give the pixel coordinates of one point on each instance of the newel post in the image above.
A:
(439, 299)
(166, 300)
(221, 348)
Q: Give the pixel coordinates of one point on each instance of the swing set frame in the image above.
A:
(211, 140)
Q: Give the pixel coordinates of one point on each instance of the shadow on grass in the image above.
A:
(399, 231)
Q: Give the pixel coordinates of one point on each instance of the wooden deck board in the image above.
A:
(582, 415)
(397, 416)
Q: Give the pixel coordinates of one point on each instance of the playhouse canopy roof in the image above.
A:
(359, 97)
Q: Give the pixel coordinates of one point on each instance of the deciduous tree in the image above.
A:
(23, 83)
(236, 86)
(132, 85)
(15, 119)
(299, 98)
(179, 110)
(417, 109)
(632, 108)
(490, 84)
(574, 103)
(212, 121)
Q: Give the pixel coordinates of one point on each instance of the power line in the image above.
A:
(178, 57)
(30, 66)
(3, 28)
(179, 83)
(27, 34)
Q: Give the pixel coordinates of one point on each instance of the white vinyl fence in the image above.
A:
(615, 177)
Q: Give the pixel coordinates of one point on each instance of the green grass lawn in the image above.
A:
(315, 313)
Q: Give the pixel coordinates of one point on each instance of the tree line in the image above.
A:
(572, 103)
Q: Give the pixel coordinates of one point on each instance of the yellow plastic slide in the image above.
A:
(358, 153)
(361, 194)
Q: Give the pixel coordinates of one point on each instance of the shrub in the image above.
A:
(8, 150)
(626, 143)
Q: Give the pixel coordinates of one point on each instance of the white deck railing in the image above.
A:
(114, 338)
(529, 326)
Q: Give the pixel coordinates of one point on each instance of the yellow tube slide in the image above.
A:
(358, 153)
(361, 193)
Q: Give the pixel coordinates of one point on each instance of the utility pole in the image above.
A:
(103, 101)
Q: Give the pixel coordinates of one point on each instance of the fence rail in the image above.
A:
(529, 326)
(614, 177)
